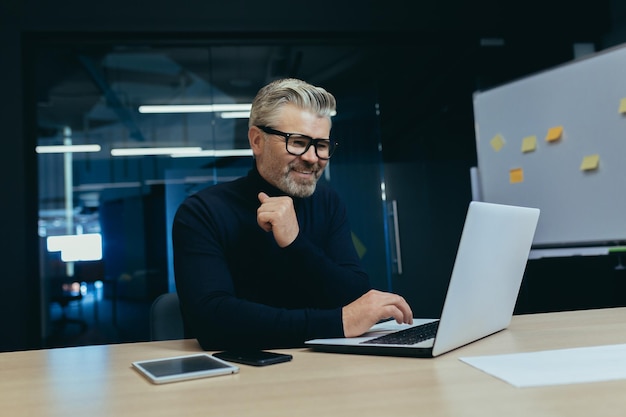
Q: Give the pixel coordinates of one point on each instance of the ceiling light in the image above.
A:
(194, 108)
(67, 148)
(235, 115)
(154, 151)
(217, 153)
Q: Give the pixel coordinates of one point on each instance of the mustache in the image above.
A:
(304, 166)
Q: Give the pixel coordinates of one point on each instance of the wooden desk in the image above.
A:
(99, 381)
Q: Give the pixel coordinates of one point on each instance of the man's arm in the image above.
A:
(212, 311)
(221, 320)
(278, 216)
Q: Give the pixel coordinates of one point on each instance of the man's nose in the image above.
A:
(310, 154)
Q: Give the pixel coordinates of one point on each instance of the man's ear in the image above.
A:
(255, 137)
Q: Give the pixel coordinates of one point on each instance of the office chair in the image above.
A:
(166, 321)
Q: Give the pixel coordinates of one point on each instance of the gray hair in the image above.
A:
(271, 98)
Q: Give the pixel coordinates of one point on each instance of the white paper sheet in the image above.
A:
(555, 367)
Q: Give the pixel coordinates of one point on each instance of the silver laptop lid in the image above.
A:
(487, 273)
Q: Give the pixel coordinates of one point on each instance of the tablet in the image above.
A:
(181, 368)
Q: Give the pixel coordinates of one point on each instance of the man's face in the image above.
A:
(295, 175)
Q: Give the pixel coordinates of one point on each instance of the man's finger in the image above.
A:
(262, 197)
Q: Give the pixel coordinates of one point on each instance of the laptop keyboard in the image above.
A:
(408, 336)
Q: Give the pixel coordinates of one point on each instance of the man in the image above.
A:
(267, 260)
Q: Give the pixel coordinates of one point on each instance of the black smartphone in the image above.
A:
(254, 358)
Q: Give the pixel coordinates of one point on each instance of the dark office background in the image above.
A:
(435, 55)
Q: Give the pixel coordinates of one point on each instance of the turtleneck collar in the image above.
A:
(258, 184)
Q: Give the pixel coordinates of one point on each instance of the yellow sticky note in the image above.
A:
(529, 143)
(554, 133)
(497, 142)
(590, 162)
(516, 175)
(622, 106)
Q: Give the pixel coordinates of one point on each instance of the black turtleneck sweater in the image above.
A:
(238, 289)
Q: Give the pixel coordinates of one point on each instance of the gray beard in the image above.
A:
(298, 190)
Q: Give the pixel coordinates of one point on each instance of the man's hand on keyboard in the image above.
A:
(371, 307)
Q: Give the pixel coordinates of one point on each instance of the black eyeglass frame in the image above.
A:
(332, 145)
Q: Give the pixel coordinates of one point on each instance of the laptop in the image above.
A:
(483, 289)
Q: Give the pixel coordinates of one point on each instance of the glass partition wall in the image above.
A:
(125, 131)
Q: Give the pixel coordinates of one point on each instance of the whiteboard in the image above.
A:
(580, 205)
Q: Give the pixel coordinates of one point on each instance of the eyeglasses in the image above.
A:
(298, 144)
